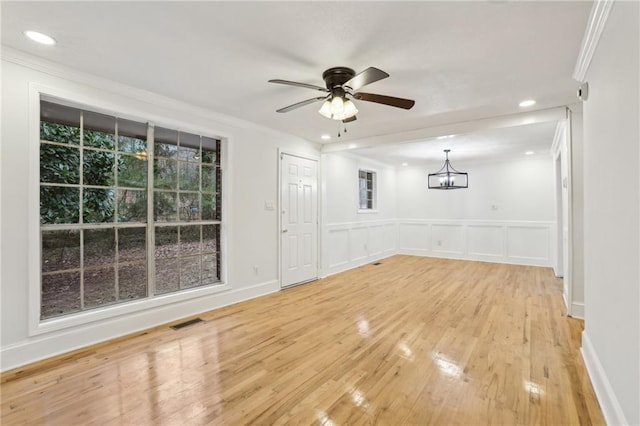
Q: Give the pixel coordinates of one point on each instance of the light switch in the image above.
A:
(269, 205)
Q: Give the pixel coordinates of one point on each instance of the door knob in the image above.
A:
(285, 230)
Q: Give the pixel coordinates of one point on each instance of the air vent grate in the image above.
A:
(187, 323)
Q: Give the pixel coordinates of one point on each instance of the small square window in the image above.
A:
(367, 190)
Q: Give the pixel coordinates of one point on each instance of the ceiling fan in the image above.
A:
(342, 85)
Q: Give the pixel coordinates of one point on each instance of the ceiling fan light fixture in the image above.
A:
(325, 109)
(337, 105)
(349, 109)
(342, 82)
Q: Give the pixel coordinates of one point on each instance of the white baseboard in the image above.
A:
(611, 408)
(342, 267)
(56, 343)
(477, 258)
(577, 310)
(557, 272)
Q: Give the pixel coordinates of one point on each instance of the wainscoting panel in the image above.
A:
(358, 243)
(516, 242)
(485, 240)
(338, 241)
(349, 245)
(447, 238)
(416, 236)
(528, 242)
(390, 237)
(353, 244)
(376, 243)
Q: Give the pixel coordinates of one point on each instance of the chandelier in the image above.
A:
(448, 177)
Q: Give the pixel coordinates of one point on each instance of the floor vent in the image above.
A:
(186, 323)
(377, 263)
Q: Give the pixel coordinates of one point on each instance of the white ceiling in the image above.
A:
(486, 145)
(458, 60)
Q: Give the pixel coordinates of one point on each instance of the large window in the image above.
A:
(127, 211)
(186, 177)
(367, 189)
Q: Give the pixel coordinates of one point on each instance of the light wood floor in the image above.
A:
(412, 341)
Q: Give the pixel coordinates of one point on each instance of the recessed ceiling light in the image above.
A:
(446, 137)
(325, 137)
(527, 103)
(529, 153)
(40, 38)
(352, 145)
(405, 164)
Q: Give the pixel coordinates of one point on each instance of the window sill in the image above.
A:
(367, 211)
(113, 311)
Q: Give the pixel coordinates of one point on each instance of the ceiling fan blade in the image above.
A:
(350, 119)
(368, 76)
(301, 104)
(386, 100)
(295, 83)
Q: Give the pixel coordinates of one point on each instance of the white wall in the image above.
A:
(506, 215)
(351, 238)
(577, 215)
(611, 340)
(251, 234)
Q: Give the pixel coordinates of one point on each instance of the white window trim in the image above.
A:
(37, 326)
(374, 194)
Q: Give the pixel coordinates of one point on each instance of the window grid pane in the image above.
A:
(93, 173)
(366, 185)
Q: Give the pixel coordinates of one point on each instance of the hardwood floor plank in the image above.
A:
(412, 341)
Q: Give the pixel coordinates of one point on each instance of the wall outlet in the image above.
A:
(269, 205)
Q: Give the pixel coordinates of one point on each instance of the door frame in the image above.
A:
(559, 243)
(282, 152)
(563, 139)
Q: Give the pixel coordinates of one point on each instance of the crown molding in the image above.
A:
(18, 57)
(595, 26)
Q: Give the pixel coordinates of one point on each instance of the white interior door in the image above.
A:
(299, 226)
